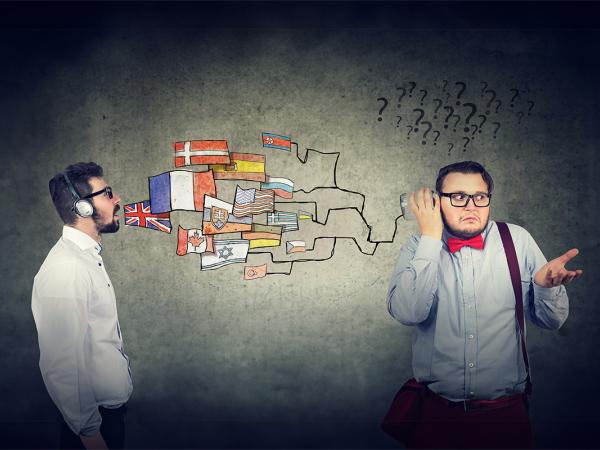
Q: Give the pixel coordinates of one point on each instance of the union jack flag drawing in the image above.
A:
(139, 215)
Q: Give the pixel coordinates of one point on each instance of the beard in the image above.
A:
(463, 234)
(111, 227)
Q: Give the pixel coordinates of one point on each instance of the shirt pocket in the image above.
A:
(503, 292)
(102, 304)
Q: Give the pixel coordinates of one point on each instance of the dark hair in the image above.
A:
(79, 175)
(464, 167)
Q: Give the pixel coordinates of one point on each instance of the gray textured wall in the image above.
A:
(311, 359)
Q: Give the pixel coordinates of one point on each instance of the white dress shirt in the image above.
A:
(81, 350)
(466, 342)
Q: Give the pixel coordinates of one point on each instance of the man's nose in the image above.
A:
(116, 198)
(470, 204)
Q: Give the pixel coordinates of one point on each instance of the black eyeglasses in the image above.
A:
(460, 199)
(107, 190)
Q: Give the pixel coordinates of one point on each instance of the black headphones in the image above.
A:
(82, 206)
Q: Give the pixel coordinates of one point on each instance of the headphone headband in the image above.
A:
(71, 187)
(82, 207)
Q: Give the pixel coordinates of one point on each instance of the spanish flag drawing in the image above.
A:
(243, 166)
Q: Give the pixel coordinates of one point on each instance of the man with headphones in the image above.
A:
(82, 359)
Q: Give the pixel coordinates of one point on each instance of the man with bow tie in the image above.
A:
(453, 284)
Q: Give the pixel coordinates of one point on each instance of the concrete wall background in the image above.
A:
(312, 359)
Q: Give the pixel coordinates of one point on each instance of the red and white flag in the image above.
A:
(193, 241)
(188, 153)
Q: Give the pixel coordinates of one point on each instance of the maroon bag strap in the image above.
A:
(515, 277)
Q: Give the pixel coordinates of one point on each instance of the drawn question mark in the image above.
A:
(457, 121)
(520, 114)
(422, 113)
(449, 115)
(409, 131)
(437, 107)
(475, 128)
(464, 86)
(512, 100)
(424, 95)
(451, 147)
(447, 96)
(497, 128)
(445, 84)
(430, 126)
(399, 120)
(437, 137)
(485, 85)
(412, 88)
(466, 143)
(492, 98)
(473, 111)
(531, 105)
(401, 97)
(498, 103)
(385, 103)
(483, 120)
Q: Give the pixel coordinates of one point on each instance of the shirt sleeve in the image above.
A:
(415, 279)
(60, 308)
(546, 307)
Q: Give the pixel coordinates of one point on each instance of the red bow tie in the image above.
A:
(455, 244)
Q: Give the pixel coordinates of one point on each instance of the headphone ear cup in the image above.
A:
(84, 208)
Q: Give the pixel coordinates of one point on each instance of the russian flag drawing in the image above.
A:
(282, 187)
(180, 190)
(277, 141)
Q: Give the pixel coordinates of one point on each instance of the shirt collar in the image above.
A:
(82, 240)
(446, 234)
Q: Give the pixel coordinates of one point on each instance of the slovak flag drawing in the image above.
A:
(140, 215)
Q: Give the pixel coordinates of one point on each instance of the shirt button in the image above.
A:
(472, 394)
(108, 284)
(471, 364)
(99, 264)
(471, 336)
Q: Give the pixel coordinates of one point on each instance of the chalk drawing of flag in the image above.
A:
(295, 247)
(288, 220)
(252, 201)
(188, 153)
(218, 218)
(140, 215)
(254, 272)
(180, 190)
(244, 166)
(282, 187)
(193, 241)
(263, 236)
(277, 141)
(225, 252)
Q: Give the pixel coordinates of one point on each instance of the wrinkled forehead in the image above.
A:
(464, 182)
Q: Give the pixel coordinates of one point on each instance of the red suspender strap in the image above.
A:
(515, 276)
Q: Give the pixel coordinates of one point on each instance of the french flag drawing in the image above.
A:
(181, 190)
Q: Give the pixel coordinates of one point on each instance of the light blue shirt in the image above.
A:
(465, 340)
